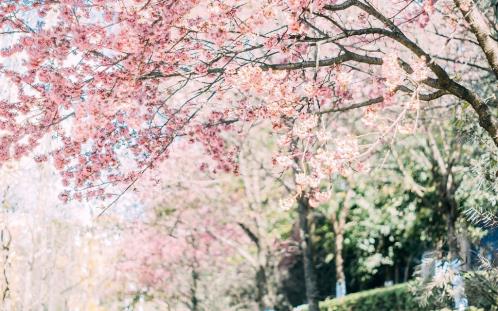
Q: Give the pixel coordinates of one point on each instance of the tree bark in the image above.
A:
(406, 273)
(464, 247)
(339, 263)
(396, 273)
(451, 234)
(260, 277)
(482, 30)
(447, 189)
(194, 300)
(6, 239)
(338, 220)
(306, 247)
(261, 287)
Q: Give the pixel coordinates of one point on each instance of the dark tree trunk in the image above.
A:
(396, 273)
(406, 273)
(261, 287)
(5, 239)
(451, 218)
(464, 248)
(260, 277)
(307, 251)
(194, 301)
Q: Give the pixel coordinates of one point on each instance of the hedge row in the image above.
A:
(393, 298)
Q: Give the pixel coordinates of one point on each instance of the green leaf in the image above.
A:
(329, 258)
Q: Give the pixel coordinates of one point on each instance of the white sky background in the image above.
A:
(31, 210)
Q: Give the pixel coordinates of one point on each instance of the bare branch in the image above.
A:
(369, 102)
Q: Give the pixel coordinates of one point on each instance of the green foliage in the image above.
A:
(401, 210)
(393, 298)
(481, 289)
(396, 297)
(468, 309)
(401, 297)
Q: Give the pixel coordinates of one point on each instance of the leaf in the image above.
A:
(329, 258)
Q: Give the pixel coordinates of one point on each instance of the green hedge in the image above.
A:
(392, 298)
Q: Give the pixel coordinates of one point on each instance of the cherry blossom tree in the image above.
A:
(227, 227)
(338, 213)
(177, 267)
(116, 83)
(133, 75)
(174, 254)
(264, 214)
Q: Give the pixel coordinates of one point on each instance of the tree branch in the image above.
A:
(481, 30)
(345, 57)
(369, 102)
(377, 100)
(249, 233)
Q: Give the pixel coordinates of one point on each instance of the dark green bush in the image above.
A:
(393, 298)
(400, 298)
